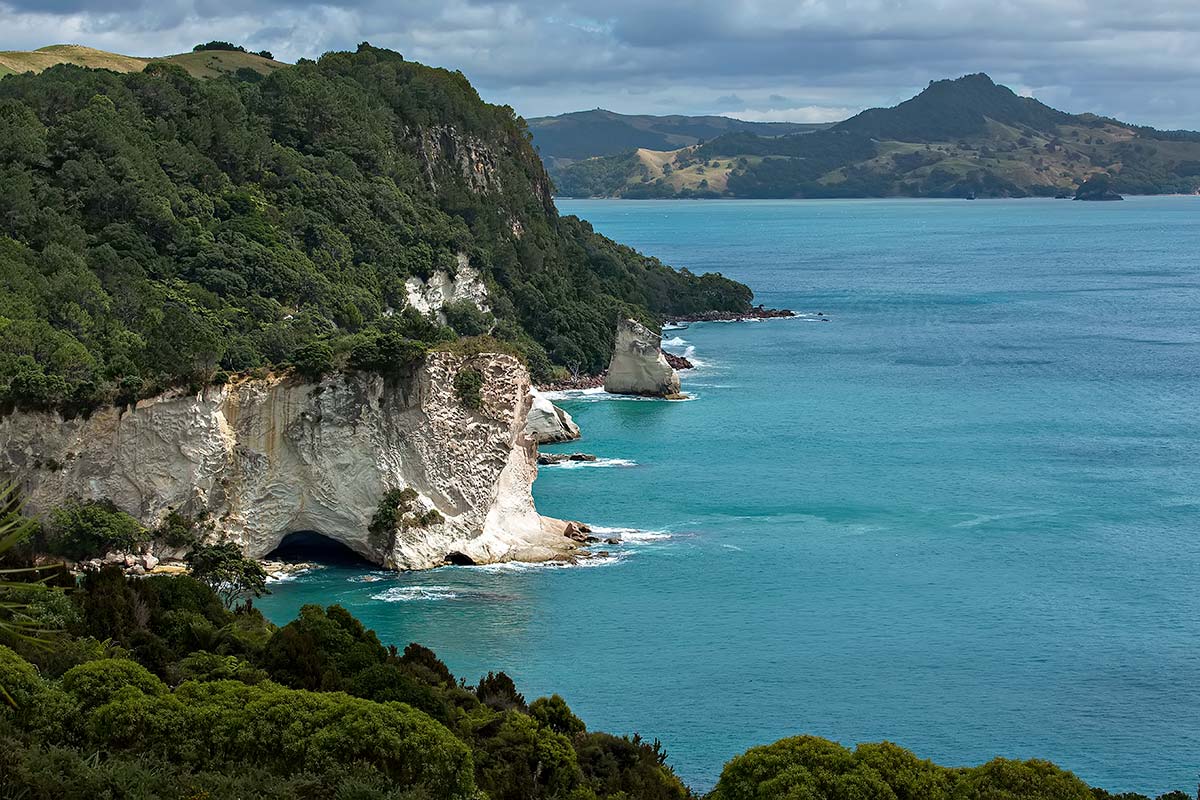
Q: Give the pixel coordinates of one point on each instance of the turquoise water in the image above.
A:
(961, 516)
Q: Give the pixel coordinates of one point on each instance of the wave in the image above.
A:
(537, 566)
(598, 394)
(408, 594)
(600, 462)
(674, 341)
(291, 575)
(690, 355)
(371, 577)
(629, 535)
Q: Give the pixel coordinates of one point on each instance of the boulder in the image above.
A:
(638, 365)
(547, 423)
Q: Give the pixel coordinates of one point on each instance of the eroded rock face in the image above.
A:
(547, 423)
(638, 365)
(264, 458)
(430, 296)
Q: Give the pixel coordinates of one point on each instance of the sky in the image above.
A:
(795, 60)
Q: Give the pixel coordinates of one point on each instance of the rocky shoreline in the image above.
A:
(756, 312)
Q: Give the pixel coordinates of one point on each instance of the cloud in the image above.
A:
(797, 114)
(665, 56)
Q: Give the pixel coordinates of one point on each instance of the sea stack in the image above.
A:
(547, 423)
(638, 365)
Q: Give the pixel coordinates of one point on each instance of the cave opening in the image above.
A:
(315, 547)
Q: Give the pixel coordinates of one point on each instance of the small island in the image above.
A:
(1097, 188)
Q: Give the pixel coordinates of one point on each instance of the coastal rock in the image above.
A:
(265, 458)
(755, 312)
(677, 362)
(546, 459)
(638, 365)
(547, 423)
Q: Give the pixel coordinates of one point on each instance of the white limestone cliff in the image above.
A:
(264, 458)
(547, 423)
(638, 365)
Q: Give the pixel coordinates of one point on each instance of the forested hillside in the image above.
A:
(957, 138)
(157, 229)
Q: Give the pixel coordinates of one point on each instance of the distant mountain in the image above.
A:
(951, 109)
(957, 138)
(586, 134)
(200, 64)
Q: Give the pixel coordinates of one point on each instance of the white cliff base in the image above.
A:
(638, 365)
(265, 458)
(547, 423)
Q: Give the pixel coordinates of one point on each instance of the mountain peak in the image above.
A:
(954, 108)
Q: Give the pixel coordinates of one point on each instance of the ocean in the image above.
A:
(962, 515)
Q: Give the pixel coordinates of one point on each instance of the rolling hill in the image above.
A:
(200, 64)
(566, 138)
(963, 137)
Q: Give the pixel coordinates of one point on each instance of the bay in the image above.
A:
(961, 515)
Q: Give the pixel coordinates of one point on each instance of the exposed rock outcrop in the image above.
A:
(638, 365)
(547, 459)
(430, 296)
(677, 362)
(547, 423)
(756, 312)
(264, 458)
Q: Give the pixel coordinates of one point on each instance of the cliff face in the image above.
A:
(264, 458)
(638, 365)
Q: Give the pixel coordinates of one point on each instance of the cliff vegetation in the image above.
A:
(159, 229)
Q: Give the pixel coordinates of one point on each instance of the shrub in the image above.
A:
(205, 666)
(95, 683)
(321, 649)
(19, 680)
(497, 690)
(392, 683)
(313, 360)
(554, 713)
(180, 530)
(219, 45)
(467, 319)
(82, 530)
(224, 724)
(468, 384)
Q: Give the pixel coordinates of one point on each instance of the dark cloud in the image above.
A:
(799, 60)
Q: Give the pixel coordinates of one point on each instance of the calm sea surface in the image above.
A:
(963, 515)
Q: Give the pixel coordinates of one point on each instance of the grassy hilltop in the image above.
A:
(199, 64)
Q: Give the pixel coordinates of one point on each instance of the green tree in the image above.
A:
(231, 576)
(82, 530)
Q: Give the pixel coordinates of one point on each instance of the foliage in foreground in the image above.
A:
(810, 768)
(158, 686)
(157, 690)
